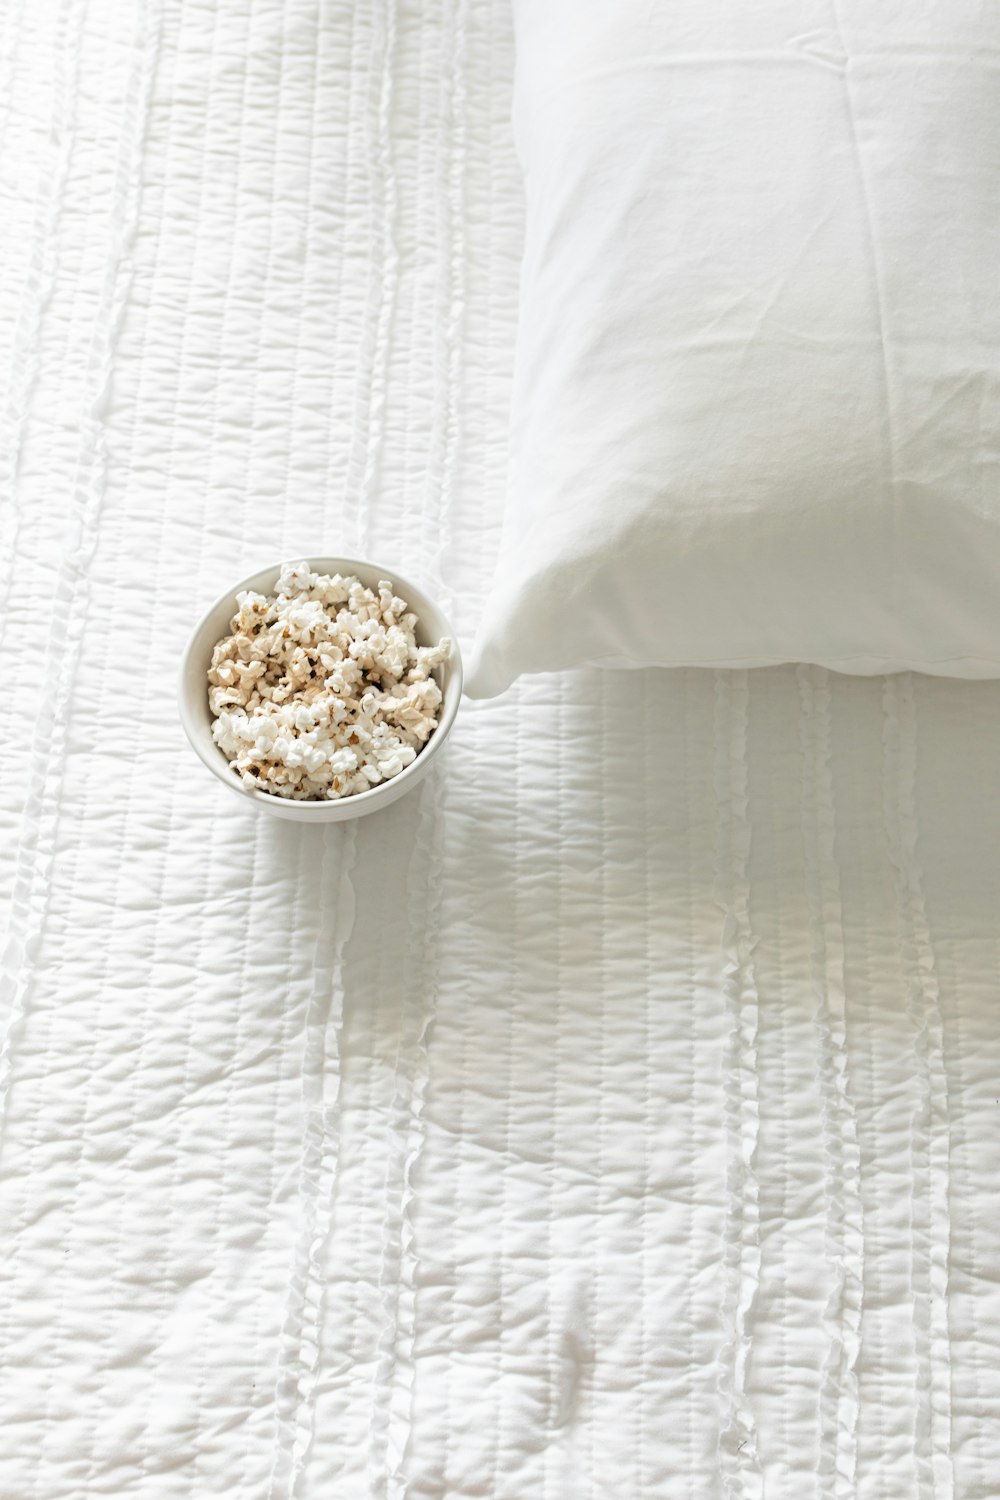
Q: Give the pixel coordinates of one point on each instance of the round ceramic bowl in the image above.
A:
(197, 718)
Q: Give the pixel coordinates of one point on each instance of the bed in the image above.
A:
(618, 1114)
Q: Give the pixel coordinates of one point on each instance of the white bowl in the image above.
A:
(196, 717)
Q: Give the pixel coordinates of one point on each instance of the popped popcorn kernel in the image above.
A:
(321, 691)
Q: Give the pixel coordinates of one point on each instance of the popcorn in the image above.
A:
(321, 690)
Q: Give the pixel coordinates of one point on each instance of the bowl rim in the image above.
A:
(212, 757)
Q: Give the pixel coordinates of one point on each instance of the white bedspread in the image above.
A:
(618, 1116)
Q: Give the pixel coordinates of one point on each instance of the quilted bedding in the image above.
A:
(618, 1115)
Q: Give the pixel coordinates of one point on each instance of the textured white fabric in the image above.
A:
(618, 1116)
(756, 416)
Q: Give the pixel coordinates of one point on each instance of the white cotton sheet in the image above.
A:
(617, 1116)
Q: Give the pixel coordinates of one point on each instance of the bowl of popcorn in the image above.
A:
(321, 690)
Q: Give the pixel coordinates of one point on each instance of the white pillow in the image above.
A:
(757, 401)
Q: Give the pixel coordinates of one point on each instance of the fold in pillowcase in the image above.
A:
(757, 398)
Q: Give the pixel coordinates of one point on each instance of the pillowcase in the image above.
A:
(756, 413)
